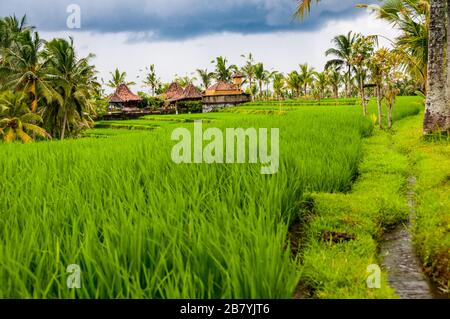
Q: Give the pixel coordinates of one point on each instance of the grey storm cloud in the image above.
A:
(179, 19)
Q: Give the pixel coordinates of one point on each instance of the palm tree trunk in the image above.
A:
(63, 130)
(349, 75)
(448, 58)
(34, 102)
(380, 119)
(436, 112)
(390, 107)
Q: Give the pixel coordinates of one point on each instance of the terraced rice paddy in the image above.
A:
(140, 226)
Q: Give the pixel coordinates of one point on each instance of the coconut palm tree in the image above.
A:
(307, 74)
(343, 56)
(249, 68)
(16, 120)
(223, 71)
(437, 111)
(303, 6)
(378, 65)
(118, 78)
(362, 50)
(411, 17)
(278, 84)
(25, 69)
(294, 82)
(334, 79)
(151, 79)
(74, 80)
(321, 83)
(206, 77)
(11, 28)
(261, 76)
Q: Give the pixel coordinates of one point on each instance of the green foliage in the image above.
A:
(141, 226)
(190, 106)
(150, 101)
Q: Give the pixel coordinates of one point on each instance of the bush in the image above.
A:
(150, 101)
(190, 107)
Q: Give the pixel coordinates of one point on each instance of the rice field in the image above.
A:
(141, 226)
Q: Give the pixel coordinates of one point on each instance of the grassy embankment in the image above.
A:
(376, 203)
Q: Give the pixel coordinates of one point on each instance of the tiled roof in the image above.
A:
(191, 92)
(174, 91)
(222, 86)
(123, 94)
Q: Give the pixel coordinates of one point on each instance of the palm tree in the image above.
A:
(303, 7)
(334, 79)
(25, 69)
(249, 68)
(294, 82)
(437, 111)
(11, 28)
(205, 77)
(261, 76)
(118, 78)
(343, 56)
(278, 84)
(223, 72)
(74, 80)
(151, 79)
(16, 120)
(378, 64)
(321, 83)
(307, 76)
(411, 17)
(362, 50)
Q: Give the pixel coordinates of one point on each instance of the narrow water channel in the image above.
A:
(400, 260)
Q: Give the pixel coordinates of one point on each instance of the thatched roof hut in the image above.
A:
(173, 91)
(123, 95)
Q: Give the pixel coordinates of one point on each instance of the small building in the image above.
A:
(223, 94)
(173, 91)
(189, 94)
(124, 100)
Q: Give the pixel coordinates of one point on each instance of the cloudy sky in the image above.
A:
(179, 36)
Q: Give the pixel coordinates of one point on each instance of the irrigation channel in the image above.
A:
(400, 260)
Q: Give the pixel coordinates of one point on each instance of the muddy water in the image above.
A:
(401, 262)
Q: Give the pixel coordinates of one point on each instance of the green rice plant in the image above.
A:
(140, 226)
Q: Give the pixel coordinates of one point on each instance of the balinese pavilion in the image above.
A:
(124, 100)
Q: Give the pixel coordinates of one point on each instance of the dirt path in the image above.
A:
(401, 262)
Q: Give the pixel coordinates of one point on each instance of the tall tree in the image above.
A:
(151, 79)
(118, 78)
(261, 76)
(294, 83)
(74, 80)
(249, 68)
(306, 76)
(334, 79)
(278, 84)
(25, 68)
(362, 50)
(223, 71)
(437, 111)
(343, 56)
(321, 84)
(411, 18)
(303, 7)
(206, 77)
(378, 65)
